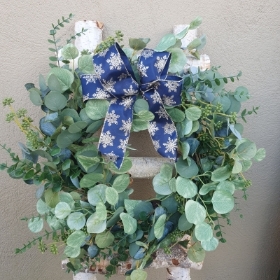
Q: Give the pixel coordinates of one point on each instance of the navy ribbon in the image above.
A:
(114, 80)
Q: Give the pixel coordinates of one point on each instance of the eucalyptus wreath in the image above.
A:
(83, 197)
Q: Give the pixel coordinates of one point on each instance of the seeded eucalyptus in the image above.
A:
(83, 198)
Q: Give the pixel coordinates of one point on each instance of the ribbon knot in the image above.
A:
(114, 80)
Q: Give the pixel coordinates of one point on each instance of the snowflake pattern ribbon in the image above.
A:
(114, 80)
(160, 89)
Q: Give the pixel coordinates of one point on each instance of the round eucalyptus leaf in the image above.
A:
(62, 210)
(185, 187)
(223, 100)
(223, 201)
(206, 188)
(159, 226)
(35, 97)
(260, 155)
(69, 51)
(226, 186)
(138, 274)
(234, 105)
(54, 223)
(178, 60)
(241, 94)
(40, 191)
(140, 105)
(92, 251)
(36, 224)
(121, 182)
(133, 249)
(246, 150)
(67, 197)
(126, 165)
(65, 77)
(76, 220)
(203, 232)
(176, 115)
(68, 112)
(95, 225)
(97, 109)
(76, 239)
(170, 204)
(166, 42)
(97, 194)
(195, 212)
(65, 138)
(115, 218)
(246, 164)
(55, 101)
(161, 184)
(77, 126)
(183, 223)
(193, 113)
(92, 128)
(129, 223)
(221, 174)
(112, 196)
(85, 64)
(185, 170)
(42, 207)
(72, 252)
(104, 239)
(172, 184)
(101, 210)
(210, 245)
(46, 127)
(196, 253)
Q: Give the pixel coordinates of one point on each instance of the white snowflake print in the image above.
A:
(98, 70)
(113, 101)
(170, 146)
(130, 91)
(160, 63)
(156, 97)
(126, 126)
(109, 85)
(110, 157)
(156, 144)
(115, 61)
(142, 69)
(169, 128)
(152, 128)
(162, 113)
(112, 118)
(122, 76)
(172, 86)
(123, 144)
(127, 102)
(147, 53)
(106, 139)
(168, 100)
(86, 97)
(103, 53)
(101, 94)
(90, 78)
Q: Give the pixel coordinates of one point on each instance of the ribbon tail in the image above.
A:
(162, 129)
(116, 130)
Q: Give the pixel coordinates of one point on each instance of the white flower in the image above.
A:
(147, 53)
(142, 69)
(90, 78)
(123, 144)
(156, 144)
(160, 63)
(98, 70)
(112, 118)
(156, 97)
(127, 102)
(109, 85)
(168, 100)
(130, 91)
(106, 139)
(172, 86)
(115, 61)
(126, 126)
(101, 94)
(162, 113)
(152, 128)
(170, 146)
(169, 128)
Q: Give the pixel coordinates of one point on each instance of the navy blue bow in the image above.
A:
(114, 80)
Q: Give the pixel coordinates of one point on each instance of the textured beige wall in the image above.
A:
(242, 35)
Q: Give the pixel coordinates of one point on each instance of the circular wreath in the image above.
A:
(83, 187)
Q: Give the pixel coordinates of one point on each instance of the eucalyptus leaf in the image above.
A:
(166, 42)
(193, 113)
(94, 224)
(121, 182)
(221, 173)
(195, 212)
(210, 245)
(183, 223)
(97, 109)
(76, 239)
(97, 194)
(186, 187)
(112, 196)
(65, 139)
(76, 221)
(62, 210)
(65, 77)
(260, 154)
(178, 60)
(138, 274)
(85, 64)
(77, 127)
(203, 232)
(161, 184)
(35, 96)
(69, 51)
(196, 253)
(185, 170)
(91, 179)
(129, 223)
(72, 252)
(55, 101)
(176, 115)
(35, 224)
(104, 239)
(223, 201)
(159, 226)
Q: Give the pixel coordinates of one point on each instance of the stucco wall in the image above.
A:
(242, 35)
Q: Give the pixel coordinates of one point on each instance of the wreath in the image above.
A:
(82, 179)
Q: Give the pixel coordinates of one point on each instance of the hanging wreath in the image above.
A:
(83, 181)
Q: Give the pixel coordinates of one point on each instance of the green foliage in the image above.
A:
(84, 198)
